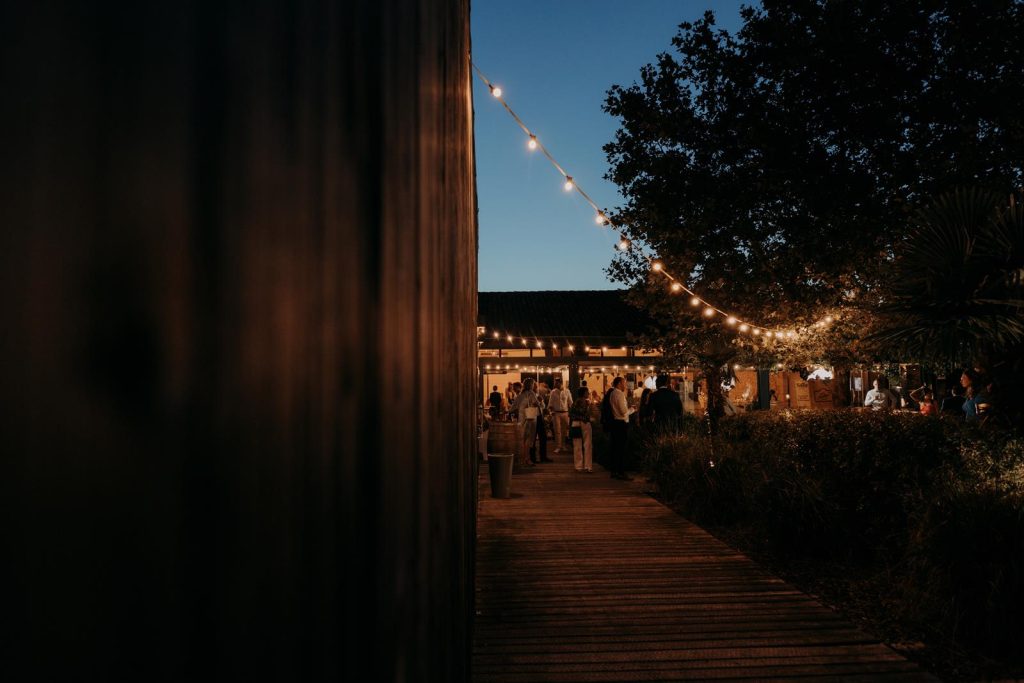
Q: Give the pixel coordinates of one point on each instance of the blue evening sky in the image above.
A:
(554, 60)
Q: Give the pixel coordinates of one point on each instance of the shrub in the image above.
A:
(939, 504)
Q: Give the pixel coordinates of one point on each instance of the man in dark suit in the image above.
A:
(665, 405)
(495, 401)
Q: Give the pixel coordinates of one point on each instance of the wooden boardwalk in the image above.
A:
(580, 577)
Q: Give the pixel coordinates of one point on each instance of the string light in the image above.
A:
(624, 244)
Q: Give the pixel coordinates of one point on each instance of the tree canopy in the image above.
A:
(777, 168)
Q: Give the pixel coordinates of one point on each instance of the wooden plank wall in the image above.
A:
(238, 271)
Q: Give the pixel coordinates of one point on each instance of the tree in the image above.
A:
(955, 289)
(775, 170)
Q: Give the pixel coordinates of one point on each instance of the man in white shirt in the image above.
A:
(619, 429)
(880, 398)
(559, 403)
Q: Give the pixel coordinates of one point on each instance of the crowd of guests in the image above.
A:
(972, 399)
(531, 404)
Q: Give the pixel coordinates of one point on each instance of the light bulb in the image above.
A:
(599, 218)
(695, 301)
(731, 320)
(656, 266)
(708, 312)
(524, 342)
(757, 331)
(532, 144)
(568, 183)
(744, 327)
(623, 244)
(572, 348)
(539, 345)
(510, 340)
(791, 334)
(676, 286)
(829, 318)
(496, 91)
(495, 335)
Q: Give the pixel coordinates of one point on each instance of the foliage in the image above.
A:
(936, 505)
(776, 169)
(955, 289)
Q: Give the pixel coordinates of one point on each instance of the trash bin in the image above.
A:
(500, 467)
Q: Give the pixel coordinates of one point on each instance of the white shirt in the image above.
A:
(879, 399)
(560, 401)
(620, 411)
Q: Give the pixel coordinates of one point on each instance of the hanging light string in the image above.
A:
(676, 286)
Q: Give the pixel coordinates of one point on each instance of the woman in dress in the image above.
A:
(527, 406)
(582, 433)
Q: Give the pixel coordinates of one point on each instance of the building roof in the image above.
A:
(593, 317)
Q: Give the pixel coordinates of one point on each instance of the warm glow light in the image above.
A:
(829, 318)
(532, 144)
(586, 348)
(695, 301)
(568, 183)
(676, 286)
(572, 348)
(623, 244)
(791, 333)
(744, 327)
(524, 342)
(656, 266)
(495, 335)
(496, 91)
(736, 367)
(510, 339)
(540, 345)
(757, 331)
(599, 218)
(731, 320)
(708, 312)
(605, 348)
(488, 367)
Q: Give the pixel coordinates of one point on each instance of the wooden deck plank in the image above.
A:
(583, 578)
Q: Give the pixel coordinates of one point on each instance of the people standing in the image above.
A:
(665, 405)
(527, 407)
(954, 403)
(494, 400)
(582, 432)
(977, 401)
(880, 398)
(541, 454)
(925, 398)
(559, 404)
(619, 426)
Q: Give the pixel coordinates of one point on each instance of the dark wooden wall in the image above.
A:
(238, 271)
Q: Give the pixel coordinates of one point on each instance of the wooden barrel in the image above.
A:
(502, 438)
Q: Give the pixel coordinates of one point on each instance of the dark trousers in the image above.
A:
(618, 436)
(542, 436)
